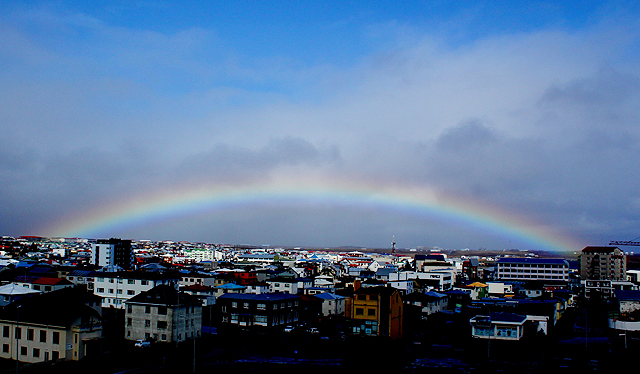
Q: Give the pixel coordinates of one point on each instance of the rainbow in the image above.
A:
(169, 204)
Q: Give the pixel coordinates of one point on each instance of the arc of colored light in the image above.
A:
(417, 201)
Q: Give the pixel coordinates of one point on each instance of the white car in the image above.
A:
(142, 344)
(288, 329)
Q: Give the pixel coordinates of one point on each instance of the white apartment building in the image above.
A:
(546, 269)
(116, 288)
(437, 279)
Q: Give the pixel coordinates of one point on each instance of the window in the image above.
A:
(5, 348)
(262, 306)
(162, 324)
(23, 351)
(100, 289)
(129, 309)
(162, 310)
(55, 355)
(163, 337)
(30, 334)
(110, 290)
(56, 337)
(359, 311)
(119, 291)
(371, 312)
(5, 331)
(147, 323)
(144, 282)
(36, 352)
(129, 321)
(43, 336)
(130, 281)
(147, 309)
(130, 292)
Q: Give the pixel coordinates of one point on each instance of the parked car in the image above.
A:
(288, 329)
(142, 344)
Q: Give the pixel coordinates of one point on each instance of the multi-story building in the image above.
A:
(164, 315)
(116, 288)
(529, 269)
(377, 311)
(332, 304)
(60, 325)
(283, 284)
(267, 310)
(112, 252)
(603, 263)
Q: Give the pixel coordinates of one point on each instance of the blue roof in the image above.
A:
(328, 296)
(627, 294)
(259, 297)
(231, 286)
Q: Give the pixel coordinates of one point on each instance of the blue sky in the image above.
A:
(529, 107)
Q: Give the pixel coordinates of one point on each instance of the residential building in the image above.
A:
(163, 314)
(530, 269)
(429, 303)
(65, 324)
(229, 288)
(603, 263)
(44, 284)
(112, 252)
(498, 326)
(12, 292)
(332, 304)
(197, 278)
(116, 288)
(260, 311)
(283, 284)
(377, 311)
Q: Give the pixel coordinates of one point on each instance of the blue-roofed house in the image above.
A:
(229, 288)
(332, 304)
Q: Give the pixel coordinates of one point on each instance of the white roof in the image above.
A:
(14, 289)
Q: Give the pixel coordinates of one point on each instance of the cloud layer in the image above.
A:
(541, 121)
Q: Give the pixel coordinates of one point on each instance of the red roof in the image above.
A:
(51, 281)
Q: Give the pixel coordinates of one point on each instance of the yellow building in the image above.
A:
(58, 325)
(377, 311)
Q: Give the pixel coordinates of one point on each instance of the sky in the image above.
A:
(476, 124)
